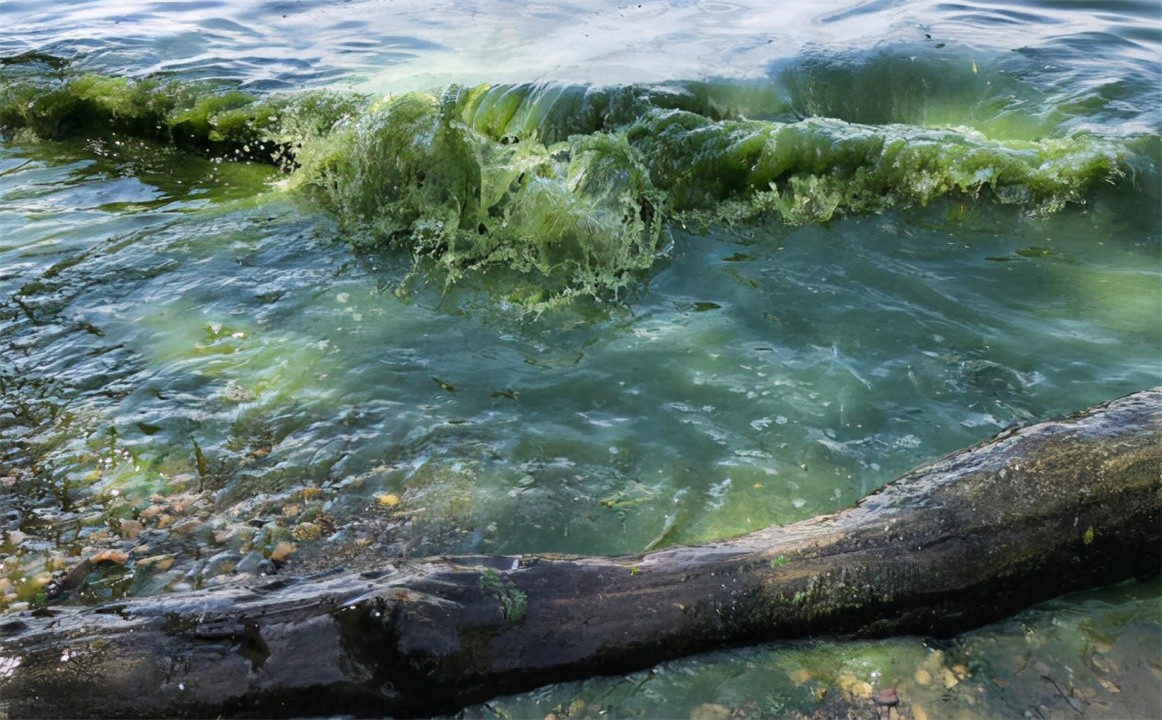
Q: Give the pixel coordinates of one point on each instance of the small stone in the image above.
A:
(923, 677)
(710, 711)
(950, 680)
(1102, 663)
(854, 686)
(887, 696)
(307, 531)
(110, 556)
(156, 563)
(1109, 685)
(99, 537)
(1084, 693)
(184, 527)
(221, 563)
(253, 563)
(1155, 667)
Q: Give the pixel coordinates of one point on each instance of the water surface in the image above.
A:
(220, 373)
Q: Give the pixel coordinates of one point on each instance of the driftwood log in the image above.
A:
(965, 540)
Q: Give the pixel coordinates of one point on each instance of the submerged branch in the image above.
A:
(959, 542)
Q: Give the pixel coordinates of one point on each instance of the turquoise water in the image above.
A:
(210, 363)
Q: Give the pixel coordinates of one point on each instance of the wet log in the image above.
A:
(967, 539)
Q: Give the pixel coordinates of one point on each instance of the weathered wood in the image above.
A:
(962, 541)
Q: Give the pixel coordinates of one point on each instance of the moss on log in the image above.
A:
(957, 543)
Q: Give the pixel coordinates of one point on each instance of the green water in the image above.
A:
(662, 307)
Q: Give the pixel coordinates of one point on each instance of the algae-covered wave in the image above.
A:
(572, 185)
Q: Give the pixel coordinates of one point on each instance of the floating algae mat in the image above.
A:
(280, 302)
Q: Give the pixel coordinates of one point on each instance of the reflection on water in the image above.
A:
(199, 372)
(1098, 58)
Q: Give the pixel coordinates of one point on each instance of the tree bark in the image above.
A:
(957, 543)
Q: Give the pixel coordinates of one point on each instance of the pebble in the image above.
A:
(130, 529)
(221, 563)
(1109, 685)
(116, 557)
(710, 711)
(950, 680)
(185, 526)
(887, 696)
(156, 563)
(254, 563)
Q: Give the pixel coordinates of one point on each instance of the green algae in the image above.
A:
(466, 180)
(573, 187)
(813, 170)
(513, 601)
(195, 117)
(408, 174)
(86, 105)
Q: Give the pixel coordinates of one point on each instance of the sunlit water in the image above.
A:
(199, 371)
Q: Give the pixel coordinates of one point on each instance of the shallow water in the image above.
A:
(209, 368)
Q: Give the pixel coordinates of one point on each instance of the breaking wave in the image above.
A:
(575, 185)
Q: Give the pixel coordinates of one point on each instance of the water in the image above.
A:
(207, 362)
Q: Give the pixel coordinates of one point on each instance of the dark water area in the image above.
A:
(286, 286)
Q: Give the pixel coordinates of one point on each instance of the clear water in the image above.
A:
(198, 367)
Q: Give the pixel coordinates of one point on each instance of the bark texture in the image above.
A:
(957, 543)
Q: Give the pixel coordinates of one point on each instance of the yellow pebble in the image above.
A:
(950, 680)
